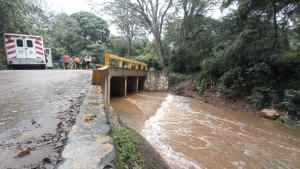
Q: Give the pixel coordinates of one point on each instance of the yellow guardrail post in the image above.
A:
(106, 58)
(124, 62)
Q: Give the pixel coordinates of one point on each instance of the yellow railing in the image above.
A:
(124, 63)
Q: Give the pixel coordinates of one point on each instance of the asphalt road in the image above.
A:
(30, 102)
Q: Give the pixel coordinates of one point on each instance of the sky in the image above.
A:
(69, 6)
(72, 6)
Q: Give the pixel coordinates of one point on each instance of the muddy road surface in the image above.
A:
(37, 109)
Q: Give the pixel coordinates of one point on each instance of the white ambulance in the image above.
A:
(24, 51)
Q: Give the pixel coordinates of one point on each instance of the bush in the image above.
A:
(286, 71)
(212, 69)
(291, 103)
(231, 83)
(202, 85)
(128, 156)
(176, 78)
(261, 97)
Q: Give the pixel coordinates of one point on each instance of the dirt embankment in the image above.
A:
(212, 96)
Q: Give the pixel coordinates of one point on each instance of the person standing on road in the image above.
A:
(66, 61)
(77, 61)
(87, 60)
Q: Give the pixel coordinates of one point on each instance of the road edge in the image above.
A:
(89, 144)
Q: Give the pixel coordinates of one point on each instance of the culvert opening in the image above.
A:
(121, 86)
(132, 84)
(117, 87)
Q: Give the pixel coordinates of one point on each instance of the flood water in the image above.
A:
(191, 134)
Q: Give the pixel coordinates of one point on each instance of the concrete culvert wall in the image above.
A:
(141, 83)
(132, 84)
(118, 87)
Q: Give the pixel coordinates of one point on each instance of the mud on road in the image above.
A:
(38, 108)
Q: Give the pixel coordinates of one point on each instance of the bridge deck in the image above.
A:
(119, 76)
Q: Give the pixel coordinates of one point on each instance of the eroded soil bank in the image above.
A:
(189, 133)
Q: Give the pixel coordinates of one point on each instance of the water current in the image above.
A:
(190, 134)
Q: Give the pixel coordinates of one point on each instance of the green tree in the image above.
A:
(192, 38)
(153, 14)
(66, 33)
(14, 18)
(129, 26)
(81, 33)
(93, 28)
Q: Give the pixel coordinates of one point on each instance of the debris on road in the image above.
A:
(23, 152)
(38, 109)
(89, 144)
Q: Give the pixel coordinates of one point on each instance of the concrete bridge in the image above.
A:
(120, 76)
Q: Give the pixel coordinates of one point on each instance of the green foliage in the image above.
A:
(74, 35)
(251, 53)
(119, 46)
(261, 97)
(82, 33)
(127, 155)
(176, 78)
(232, 83)
(92, 27)
(65, 33)
(124, 17)
(292, 103)
(139, 47)
(212, 70)
(188, 50)
(147, 54)
(58, 52)
(287, 71)
(14, 16)
(14, 19)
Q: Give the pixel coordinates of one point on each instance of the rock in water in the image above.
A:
(270, 114)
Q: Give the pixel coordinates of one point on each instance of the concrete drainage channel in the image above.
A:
(89, 145)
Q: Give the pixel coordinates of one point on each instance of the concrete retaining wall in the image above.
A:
(89, 145)
(156, 81)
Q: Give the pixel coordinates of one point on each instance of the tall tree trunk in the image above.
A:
(129, 47)
(159, 48)
(275, 25)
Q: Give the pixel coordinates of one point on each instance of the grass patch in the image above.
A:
(128, 156)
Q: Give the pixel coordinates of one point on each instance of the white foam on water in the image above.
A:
(155, 134)
(176, 117)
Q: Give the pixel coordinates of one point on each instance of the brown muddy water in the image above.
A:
(190, 134)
